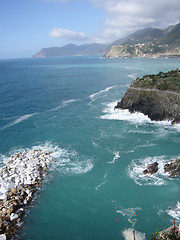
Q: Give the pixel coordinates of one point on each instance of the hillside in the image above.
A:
(157, 96)
(72, 50)
(149, 42)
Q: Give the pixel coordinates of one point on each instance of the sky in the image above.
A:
(27, 26)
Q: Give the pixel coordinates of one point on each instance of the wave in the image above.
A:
(118, 114)
(104, 182)
(110, 113)
(128, 234)
(133, 76)
(175, 212)
(64, 104)
(94, 95)
(130, 213)
(66, 162)
(136, 168)
(115, 157)
(19, 119)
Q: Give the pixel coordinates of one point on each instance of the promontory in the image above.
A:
(157, 96)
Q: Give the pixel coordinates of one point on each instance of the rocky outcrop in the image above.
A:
(157, 105)
(19, 180)
(173, 168)
(151, 168)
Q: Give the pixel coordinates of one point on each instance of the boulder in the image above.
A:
(151, 168)
(173, 168)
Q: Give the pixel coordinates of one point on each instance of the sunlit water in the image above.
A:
(95, 189)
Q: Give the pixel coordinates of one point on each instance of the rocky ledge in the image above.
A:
(157, 96)
(173, 168)
(19, 180)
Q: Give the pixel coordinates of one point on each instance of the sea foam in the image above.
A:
(128, 234)
(110, 113)
(175, 212)
(19, 119)
(96, 94)
(137, 166)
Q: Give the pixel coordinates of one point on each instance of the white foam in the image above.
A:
(130, 213)
(119, 114)
(115, 157)
(128, 234)
(137, 166)
(95, 95)
(175, 212)
(133, 76)
(19, 119)
(139, 118)
(67, 162)
(64, 104)
(101, 184)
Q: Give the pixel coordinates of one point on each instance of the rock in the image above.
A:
(2, 237)
(19, 180)
(173, 168)
(154, 96)
(13, 216)
(151, 168)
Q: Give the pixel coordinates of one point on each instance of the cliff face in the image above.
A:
(149, 42)
(157, 104)
(142, 50)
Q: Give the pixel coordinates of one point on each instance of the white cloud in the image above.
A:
(67, 35)
(126, 16)
(123, 17)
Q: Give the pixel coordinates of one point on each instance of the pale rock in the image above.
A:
(13, 216)
(2, 237)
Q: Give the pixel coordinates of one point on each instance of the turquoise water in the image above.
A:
(95, 189)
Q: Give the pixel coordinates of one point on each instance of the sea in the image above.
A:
(95, 188)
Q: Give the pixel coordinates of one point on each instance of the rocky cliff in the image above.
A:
(155, 96)
(149, 42)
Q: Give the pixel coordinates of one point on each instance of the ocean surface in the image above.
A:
(95, 189)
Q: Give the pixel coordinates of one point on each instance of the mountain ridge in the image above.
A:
(72, 50)
(148, 42)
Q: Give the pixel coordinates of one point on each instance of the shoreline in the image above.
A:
(20, 179)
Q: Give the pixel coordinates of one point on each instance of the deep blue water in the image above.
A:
(95, 189)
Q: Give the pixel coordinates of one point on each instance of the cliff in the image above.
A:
(72, 50)
(157, 96)
(148, 42)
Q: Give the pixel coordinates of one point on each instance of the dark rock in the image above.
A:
(151, 168)
(157, 105)
(173, 168)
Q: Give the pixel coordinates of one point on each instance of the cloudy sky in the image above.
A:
(26, 26)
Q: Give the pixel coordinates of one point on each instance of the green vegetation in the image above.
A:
(162, 81)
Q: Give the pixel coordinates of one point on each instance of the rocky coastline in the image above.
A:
(173, 168)
(157, 96)
(20, 178)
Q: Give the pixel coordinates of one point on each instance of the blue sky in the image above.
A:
(26, 26)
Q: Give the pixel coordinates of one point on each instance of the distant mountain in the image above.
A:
(72, 50)
(149, 42)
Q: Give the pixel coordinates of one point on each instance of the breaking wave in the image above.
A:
(110, 113)
(67, 162)
(115, 157)
(137, 166)
(19, 119)
(175, 212)
(64, 104)
(95, 95)
(128, 234)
